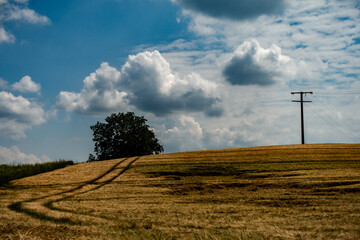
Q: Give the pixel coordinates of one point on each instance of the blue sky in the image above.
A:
(206, 75)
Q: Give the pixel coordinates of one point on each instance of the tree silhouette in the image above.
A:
(123, 135)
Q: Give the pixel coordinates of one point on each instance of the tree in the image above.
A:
(123, 135)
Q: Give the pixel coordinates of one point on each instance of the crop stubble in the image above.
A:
(279, 192)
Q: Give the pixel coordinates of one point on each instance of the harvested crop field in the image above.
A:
(278, 192)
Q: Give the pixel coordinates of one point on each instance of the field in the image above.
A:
(279, 192)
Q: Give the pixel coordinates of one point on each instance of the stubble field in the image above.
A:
(279, 192)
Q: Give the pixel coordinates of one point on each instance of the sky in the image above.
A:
(206, 74)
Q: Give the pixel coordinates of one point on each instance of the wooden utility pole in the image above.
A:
(302, 112)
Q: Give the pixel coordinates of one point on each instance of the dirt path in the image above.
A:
(43, 207)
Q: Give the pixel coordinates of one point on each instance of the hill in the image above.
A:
(278, 192)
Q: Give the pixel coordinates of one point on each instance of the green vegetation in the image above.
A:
(12, 172)
(123, 135)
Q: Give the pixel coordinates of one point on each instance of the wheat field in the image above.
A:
(278, 192)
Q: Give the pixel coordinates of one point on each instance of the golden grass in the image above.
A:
(278, 192)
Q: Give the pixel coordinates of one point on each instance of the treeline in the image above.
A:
(12, 172)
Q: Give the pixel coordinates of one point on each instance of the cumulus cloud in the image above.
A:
(5, 36)
(183, 134)
(18, 114)
(26, 85)
(99, 95)
(27, 15)
(234, 9)
(146, 82)
(13, 155)
(305, 59)
(226, 138)
(154, 87)
(3, 84)
(251, 64)
(16, 10)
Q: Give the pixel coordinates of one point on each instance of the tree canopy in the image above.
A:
(123, 135)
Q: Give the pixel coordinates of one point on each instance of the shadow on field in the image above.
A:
(18, 206)
(202, 171)
(248, 178)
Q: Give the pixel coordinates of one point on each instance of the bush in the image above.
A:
(12, 172)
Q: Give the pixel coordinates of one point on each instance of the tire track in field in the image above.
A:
(50, 206)
(42, 207)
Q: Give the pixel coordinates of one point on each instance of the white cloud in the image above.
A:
(17, 114)
(154, 87)
(3, 84)
(251, 64)
(186, 133)
(26, 85)
(17, 10)
(313, 46)
(13, 155)
(99, 95)
(6, 36)
(25, 14)
(146, 82)
(203, 26)
(181, 134)
(321, 34)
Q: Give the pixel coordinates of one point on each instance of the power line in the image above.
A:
(330, 118)
(345, 92)
(332, 123)
(333, 113)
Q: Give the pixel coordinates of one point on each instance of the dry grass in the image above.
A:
(280, 192)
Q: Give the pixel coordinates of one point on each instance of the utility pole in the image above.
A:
(302, 112)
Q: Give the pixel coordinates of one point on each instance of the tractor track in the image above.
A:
(43, 208)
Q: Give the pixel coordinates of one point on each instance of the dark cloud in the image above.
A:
(244, 71)
(251, 64)
(215, 112)
(235, 9)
